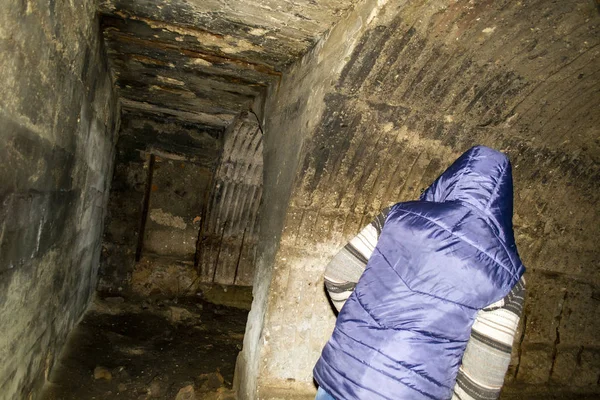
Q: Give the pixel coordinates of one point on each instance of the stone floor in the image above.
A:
(179, 349)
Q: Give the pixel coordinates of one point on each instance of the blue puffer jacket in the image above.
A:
(403, 331)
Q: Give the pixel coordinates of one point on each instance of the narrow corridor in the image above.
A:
(176, 174)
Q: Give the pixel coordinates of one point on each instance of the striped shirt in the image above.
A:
(487, 355)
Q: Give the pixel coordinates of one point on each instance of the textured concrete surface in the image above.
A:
(293, 111)
(263, 32)
(123, 222)
(177, 198)
(58, 118)
(155, 211)
(194, 192)
(208, 60)
(160, 157)
(425, 81)
(171, 135)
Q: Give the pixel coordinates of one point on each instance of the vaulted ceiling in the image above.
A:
(205, 61)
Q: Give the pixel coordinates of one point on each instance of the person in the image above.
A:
(430, 293)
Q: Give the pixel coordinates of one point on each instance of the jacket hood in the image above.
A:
(482, 178)
(403, 332)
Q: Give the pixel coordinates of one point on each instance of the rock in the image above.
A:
(178, 314)
(186, 393)
(120, 373)
(156, 388)
(213, 381)
(220, 394)
(115, 300)
(122, 387)
(102, 373)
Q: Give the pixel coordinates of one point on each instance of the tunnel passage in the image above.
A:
(184, 206)
(187, 207)
(356, 104)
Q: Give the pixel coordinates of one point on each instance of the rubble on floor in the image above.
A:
(150, 349)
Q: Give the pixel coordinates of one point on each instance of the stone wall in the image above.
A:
(123, 223)
(163, 173)
(58, 122)
(424, 82)
(184, 205)
(292, 112)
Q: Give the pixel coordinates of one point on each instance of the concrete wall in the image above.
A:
(292, 113)
(123, 222)
(163, 198)
(177, 198)
(379, 110)
(194, 192)
(58, 123)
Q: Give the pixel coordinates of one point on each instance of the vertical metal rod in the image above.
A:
(145, 206)
(203, 217)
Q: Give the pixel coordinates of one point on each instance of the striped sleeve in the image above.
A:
(487, 355)
(346, 267)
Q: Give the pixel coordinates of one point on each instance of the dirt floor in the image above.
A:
(184, 350)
